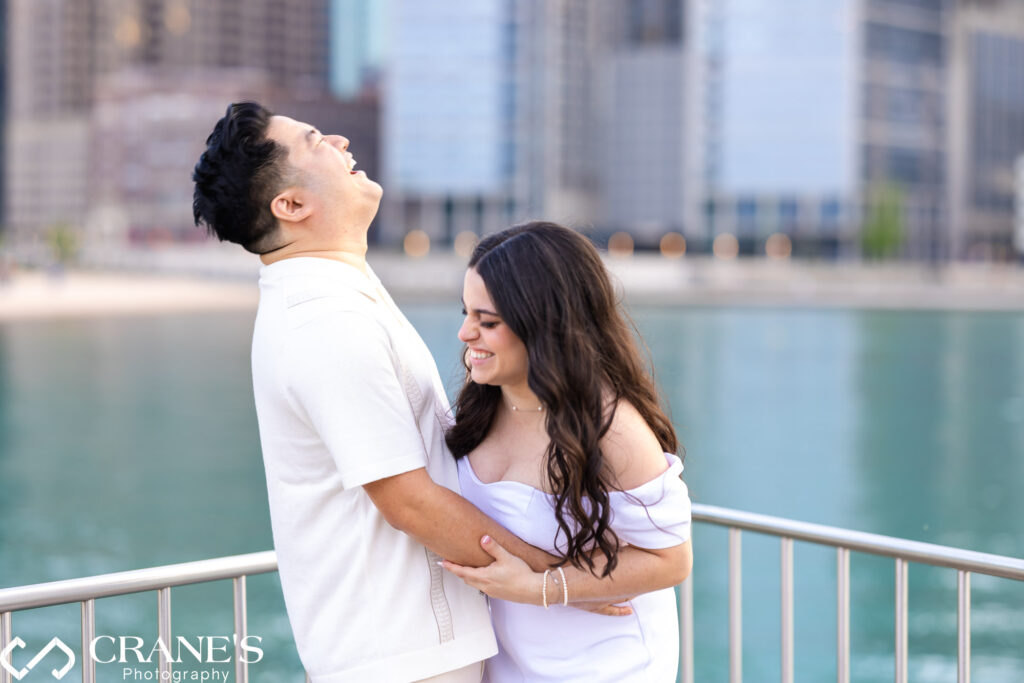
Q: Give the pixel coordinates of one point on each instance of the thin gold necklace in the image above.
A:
(516, 408)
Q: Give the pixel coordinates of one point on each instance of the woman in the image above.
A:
(560, 438)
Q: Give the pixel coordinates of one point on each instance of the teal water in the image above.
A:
(131, 442)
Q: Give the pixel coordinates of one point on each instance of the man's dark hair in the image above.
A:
(236, 178)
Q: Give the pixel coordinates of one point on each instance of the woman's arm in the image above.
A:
(638, 571)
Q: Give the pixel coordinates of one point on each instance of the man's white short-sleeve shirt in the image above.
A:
(347, 393)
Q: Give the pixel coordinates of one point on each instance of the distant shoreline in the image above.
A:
(35, 295)
(213, 280)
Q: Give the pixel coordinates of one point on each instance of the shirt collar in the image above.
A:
(329, 271)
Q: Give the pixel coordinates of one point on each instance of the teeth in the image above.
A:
(479, 355)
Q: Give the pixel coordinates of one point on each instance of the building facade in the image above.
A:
(986, 131)
(109, 101)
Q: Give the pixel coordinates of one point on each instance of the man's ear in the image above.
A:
(291, 206)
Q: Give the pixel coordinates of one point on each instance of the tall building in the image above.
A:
(174, 64)
(357, 46)
(489, 115)
(986, 125)
(447, 117)
(903, 132)
(775, 120)
(557, 134)
(644, 98)
(3, 110)
(812, 114)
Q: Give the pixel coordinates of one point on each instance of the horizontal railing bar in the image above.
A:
(135, 581)
(886, 546)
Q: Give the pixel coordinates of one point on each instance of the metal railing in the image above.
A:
(160, 579)
(965, 562)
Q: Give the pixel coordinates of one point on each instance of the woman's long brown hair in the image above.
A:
(550, 287)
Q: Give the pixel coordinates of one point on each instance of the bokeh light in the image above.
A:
(177, 18)
(778, 247)
(673, 245)
(128, 32)
(620, 245)
(417, 244)
(726, 247)
(464, 243)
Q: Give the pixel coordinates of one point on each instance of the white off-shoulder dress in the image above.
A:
(565, 644)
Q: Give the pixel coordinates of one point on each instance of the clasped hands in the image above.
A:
(510, 578)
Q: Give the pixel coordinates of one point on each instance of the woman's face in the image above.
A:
(495, 355)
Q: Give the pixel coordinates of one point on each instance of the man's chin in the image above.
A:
(373, 187)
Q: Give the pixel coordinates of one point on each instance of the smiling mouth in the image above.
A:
(480, 355)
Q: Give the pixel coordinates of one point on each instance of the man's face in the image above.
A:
(323, 165)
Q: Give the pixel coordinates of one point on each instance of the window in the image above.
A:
(904, 45)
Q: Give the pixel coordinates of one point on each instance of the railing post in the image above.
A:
(843, 615)
(735, 606)
(5, 639)
(686, 630)
(241, 630)
(786, 572)
(963, 627)
(88, 633)
(901, 620)
(163, 617)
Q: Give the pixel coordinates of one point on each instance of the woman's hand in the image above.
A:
(509, 578)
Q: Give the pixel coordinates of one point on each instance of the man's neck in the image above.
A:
(351, 251)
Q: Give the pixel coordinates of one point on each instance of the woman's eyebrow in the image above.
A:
(479, 310)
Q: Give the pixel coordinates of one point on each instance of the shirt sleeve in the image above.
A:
(342, 375)
(656, 514)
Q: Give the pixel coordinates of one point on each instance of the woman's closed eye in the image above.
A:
(486, 324)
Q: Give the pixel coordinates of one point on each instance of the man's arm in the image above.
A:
(445, 522)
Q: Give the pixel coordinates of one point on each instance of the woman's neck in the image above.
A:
(519, 399)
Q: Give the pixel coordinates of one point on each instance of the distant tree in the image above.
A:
(64, 243)
(882, 234)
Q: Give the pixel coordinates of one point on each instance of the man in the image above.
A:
(351, 415)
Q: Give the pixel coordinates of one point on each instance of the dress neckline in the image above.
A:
(472, 474)
(671, 459)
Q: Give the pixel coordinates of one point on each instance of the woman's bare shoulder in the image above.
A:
(631, 450)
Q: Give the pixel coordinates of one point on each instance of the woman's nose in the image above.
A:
(467, 332)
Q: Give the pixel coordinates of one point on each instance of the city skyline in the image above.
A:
(646, 117)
